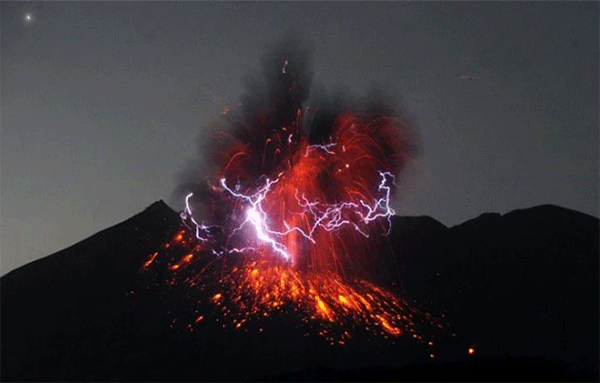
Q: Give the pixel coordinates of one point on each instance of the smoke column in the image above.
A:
(312, 178)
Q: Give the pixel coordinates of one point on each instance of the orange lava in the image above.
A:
(321, 282)
(150, 260)
(256, 287)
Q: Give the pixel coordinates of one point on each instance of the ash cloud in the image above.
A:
(282, 86)
(270, 101)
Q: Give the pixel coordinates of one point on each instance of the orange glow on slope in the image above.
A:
(389, 328)
(150, 260)
(257, 288)
(299, 220)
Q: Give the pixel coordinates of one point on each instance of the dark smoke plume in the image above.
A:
(269, 104)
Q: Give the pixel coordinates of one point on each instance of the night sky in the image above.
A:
(102, 102)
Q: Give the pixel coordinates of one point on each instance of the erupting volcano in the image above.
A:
(298, 201)
(287, 262)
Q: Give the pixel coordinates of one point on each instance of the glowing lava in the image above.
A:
(250, 288)
(292, 236)
(296, 215)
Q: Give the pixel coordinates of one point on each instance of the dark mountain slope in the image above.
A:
(522, 289)
(51, 302)
(524, 284)
(120, 248)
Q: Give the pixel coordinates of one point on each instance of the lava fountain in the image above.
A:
(295, 207)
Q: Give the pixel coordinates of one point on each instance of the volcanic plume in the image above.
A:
(295, 198)
(316, 179)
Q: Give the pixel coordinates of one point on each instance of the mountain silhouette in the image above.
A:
(520, 290)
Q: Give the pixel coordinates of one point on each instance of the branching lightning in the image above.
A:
(322, 215)
(293, 212)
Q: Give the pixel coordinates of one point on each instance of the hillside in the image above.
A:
(520, 289)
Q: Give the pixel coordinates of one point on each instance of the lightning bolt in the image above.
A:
(329, 217)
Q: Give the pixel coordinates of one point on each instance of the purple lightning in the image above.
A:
(329, 217)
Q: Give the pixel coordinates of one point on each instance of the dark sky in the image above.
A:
(102, 101)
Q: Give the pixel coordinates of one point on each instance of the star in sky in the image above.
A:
(28, 17)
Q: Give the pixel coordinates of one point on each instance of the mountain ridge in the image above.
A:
(161, 207)
(520, 288)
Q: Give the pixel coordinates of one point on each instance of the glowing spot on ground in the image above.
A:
(150, 260)
(388, 327)
(323, 309)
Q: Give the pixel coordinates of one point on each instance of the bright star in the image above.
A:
(28, 17)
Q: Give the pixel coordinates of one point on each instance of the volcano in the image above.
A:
(515, 297)
(288, 263)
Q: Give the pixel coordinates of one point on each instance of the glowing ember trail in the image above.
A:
(255, 287)
(291, 217)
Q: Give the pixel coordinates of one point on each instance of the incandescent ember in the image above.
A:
(296, 204)
(243, 289)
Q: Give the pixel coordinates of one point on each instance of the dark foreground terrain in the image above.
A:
(520, 289)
